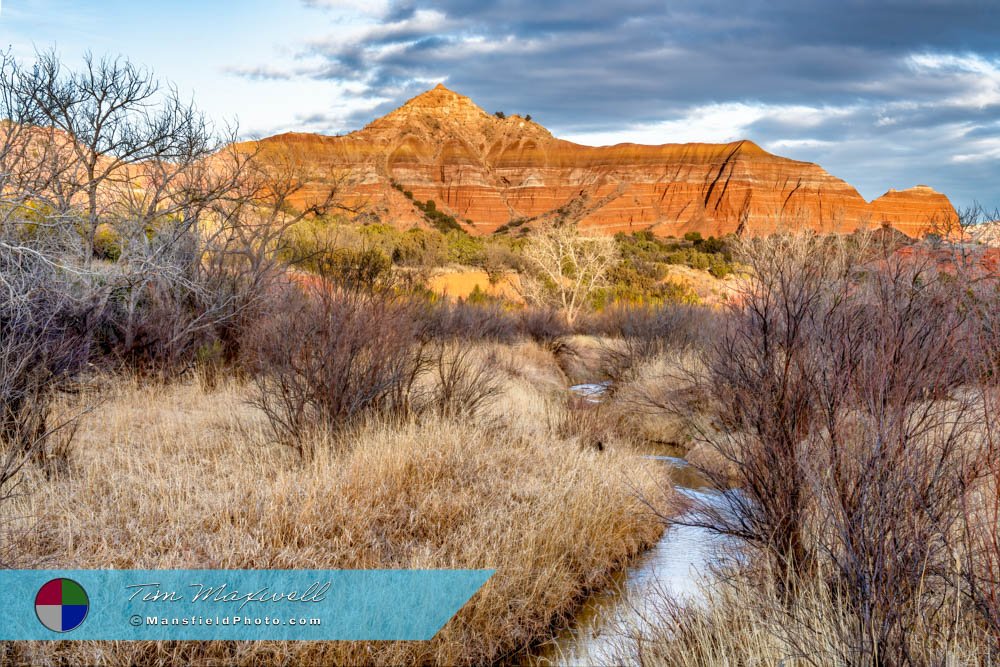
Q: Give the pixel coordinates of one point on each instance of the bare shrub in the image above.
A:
(43, 343)
(979, 537)
(356, 354)
(329, 356)
(638, 335)
(166, 222)
(677, 325)
(892, 462)
(543, 325)
(462, 383)
(837, 385)
(471, 322)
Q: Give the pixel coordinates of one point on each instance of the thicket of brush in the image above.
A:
(852, 395)
(135, 239)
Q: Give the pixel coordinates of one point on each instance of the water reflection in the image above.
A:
(673, 567)
(591, 391)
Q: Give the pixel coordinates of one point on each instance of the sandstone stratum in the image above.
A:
(489, 173)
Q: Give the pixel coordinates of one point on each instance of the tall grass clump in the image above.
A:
(749, 620)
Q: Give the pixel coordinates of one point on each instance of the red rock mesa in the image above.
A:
(488, 172)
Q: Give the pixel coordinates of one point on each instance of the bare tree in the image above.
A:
(759, 375)
(45, 322)
(498, 262)
(979, 543)
(172, 224)
(563, 268)
(111, 141)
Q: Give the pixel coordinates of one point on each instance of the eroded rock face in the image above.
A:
(488, 172)
(986, 233)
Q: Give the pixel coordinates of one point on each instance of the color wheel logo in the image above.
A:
(61, 605)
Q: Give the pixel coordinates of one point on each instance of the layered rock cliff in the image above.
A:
(489, 172)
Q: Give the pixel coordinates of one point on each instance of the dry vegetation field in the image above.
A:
(196, 374)
(173, 476)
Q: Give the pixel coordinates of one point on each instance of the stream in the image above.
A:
(608, 619)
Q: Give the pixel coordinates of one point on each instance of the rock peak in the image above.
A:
(439, 96)
(748, 148)
(431, 106)
(916, 190)
(440, 114)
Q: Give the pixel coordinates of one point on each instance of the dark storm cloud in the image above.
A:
(641, 58)
(898, 71)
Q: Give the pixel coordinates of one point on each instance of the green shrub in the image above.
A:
(465, 249)
(713, 245)
(640, 284)
(356, 269)
(438, 219)
(107, 244)
(420, 247)
(644, 248)
(719, 267)
(479, 297)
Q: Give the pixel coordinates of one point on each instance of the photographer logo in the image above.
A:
(61, 605)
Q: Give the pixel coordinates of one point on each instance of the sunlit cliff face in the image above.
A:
(488, 171)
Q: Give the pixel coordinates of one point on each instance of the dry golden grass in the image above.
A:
(664, 380)
(581, 357)
(710, 290)
(174, 477)
(661, 403)
(746, 621)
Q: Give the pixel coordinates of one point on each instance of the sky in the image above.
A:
(882, 94)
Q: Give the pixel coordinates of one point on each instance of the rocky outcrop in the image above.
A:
(986, 233)
(916, 211)
(489, 172)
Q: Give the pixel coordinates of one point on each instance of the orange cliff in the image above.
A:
(488, 172)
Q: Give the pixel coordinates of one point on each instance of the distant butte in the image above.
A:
(488, 172)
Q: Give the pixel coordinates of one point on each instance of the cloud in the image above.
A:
(855, 83)
(982, 150)
(369, 7)
(975, 78)
(261, 73)
(724, 122)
